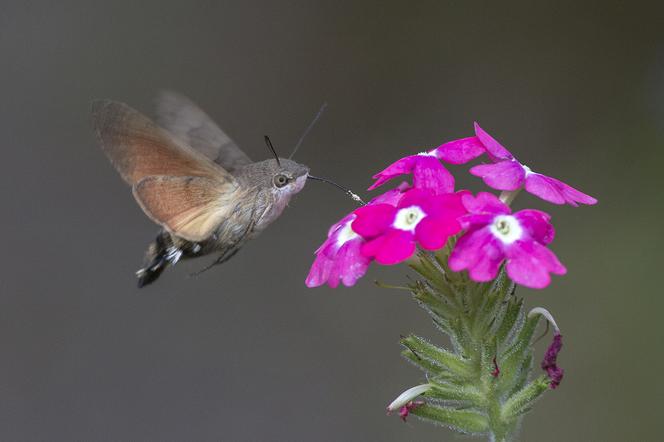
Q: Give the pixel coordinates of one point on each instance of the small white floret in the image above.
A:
(544, 312)
(408, 396)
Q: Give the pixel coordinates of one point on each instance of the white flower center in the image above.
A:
(527, 169)
(506, 228)
(430, 153)
(346, 234)
(408, 218)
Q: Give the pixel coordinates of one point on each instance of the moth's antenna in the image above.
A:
(271, 147)
(306, 131)
(348, 192)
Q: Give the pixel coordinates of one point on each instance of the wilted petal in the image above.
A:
(495, 150)
(372, 220)
(537, 224)
(549, 363)
(460, 151)
(529, 264)
(504, 175)
(555, 191)
(393, 247)
(406, 409)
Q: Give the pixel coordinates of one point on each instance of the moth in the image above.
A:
(191, 179)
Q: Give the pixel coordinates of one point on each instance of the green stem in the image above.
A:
(481, 385)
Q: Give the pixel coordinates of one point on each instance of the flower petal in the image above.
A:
(341, 224)
(349, 265)
(320, 271)
(479, 252)
(432, 233)
(449, 205)
(495, 150)
(529, 264)
(400, 167)
(537, 224)
(483, 203)
(372, 220)
(460, 151)
(392, 196)
(429, 173)
(391, 248)
(504, 175)
(555, 191)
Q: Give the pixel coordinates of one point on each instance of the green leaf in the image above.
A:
(461, 420)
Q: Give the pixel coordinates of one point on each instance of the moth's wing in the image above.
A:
(189, 123)
(138, 148)
(189, 207)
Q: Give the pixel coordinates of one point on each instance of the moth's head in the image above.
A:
(287, 175)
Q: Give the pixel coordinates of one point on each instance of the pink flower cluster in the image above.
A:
(427, 213)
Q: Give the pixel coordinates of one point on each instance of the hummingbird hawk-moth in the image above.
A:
(191, 179)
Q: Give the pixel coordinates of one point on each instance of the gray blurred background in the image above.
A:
(246, 352)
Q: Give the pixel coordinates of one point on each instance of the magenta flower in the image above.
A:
(494, 235)
(421, 216)
(507, 173)
(428, 172)
(339, 258)
(460, 151)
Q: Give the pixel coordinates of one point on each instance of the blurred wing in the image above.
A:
(138, 148)
(189, 207)
(189, 123)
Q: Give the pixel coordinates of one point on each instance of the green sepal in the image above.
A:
(462, 420)
(462, 393)
(434, 304)
(513, 311)
(443, 358)
(522, 401)
(513, 358)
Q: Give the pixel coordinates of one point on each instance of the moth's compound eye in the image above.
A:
(280, 180)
